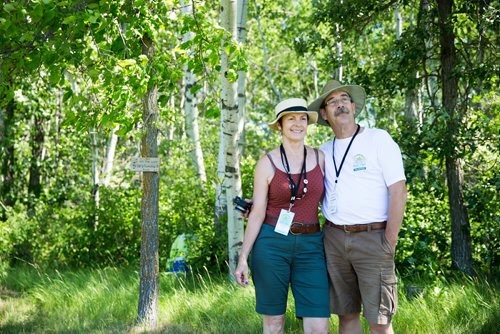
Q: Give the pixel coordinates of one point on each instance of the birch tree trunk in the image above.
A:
(399, 22)
(461, 252)
(95, 176)
(411, 96)
(242, 33)
(264, 54)
(191, 110)
(431, 81)
(339, 71)
(149, 278)
(315, 73)
(110, 157)
(231, 185)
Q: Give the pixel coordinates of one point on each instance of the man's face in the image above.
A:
(338, 107)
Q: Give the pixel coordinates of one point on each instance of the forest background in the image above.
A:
(86, 86)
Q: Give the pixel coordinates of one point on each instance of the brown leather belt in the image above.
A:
(300, 228)
(358, 227)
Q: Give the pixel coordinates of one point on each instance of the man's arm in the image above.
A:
(397, 203)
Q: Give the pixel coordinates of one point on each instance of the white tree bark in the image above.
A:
(190, 108)
(242, 33)
(339, 48)
(399, 22)
(411, 98)
(110, 157)
(338, 74)
(228, 149)
(264, 54)
(431, 83)
(95, 175)
(315, 73)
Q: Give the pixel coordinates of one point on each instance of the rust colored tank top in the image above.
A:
(305, 209)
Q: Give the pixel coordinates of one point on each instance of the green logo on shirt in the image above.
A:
(359, 163)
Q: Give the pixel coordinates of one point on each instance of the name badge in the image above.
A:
(332, 201)
(284, 222)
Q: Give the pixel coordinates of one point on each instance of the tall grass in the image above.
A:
(105, 301)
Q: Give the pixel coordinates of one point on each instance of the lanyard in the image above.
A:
(337, 171)
(294, 188)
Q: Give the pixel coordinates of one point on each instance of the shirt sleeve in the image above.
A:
(390, 159)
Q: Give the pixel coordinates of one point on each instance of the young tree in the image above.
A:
(229, 155)
(190, 105)
(242, 33)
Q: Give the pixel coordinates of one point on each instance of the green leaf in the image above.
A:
(69, 20)
(124, 129)
(9, 7)
(93, 18)
(212, 112)
(143, 59)
(195, 88)
(106, 118)
(55, 77)
(67, 95)
(126, 62)
(93, 74)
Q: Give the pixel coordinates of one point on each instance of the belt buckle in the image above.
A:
(299, 233)
(346, 229)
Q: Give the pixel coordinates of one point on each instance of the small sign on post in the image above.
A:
(140, 164)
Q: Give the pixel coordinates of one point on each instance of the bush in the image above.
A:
(425, 236)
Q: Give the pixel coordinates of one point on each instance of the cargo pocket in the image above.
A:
(388, 295)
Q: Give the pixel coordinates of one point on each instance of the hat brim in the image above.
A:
(356, 92)
(312, 119)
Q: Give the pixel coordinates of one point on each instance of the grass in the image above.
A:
(105, 301)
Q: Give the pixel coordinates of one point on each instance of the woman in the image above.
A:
(283, 231)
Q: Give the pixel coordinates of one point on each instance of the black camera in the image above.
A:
(241, 205)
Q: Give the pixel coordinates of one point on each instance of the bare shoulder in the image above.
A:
(321, 156)
(264, 168)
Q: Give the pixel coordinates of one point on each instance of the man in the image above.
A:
(365, 197)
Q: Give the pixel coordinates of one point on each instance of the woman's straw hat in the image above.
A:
(289, 106)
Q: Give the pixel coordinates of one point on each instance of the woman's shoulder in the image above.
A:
(268, 159)
(271, 155)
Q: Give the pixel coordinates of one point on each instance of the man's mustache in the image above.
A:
(341, 110)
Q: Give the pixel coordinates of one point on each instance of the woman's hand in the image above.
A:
(247, 212)
(241, 273)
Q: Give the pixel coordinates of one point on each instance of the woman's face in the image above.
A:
(294, 125)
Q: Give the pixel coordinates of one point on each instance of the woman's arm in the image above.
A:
(263, 175)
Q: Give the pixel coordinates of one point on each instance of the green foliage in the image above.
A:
(48, 235)
(66, 234)
(186, 205)
(117, 233)
(424, 233)
(481, 196)
(81, 65)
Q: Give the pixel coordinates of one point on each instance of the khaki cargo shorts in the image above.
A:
(361, 270)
